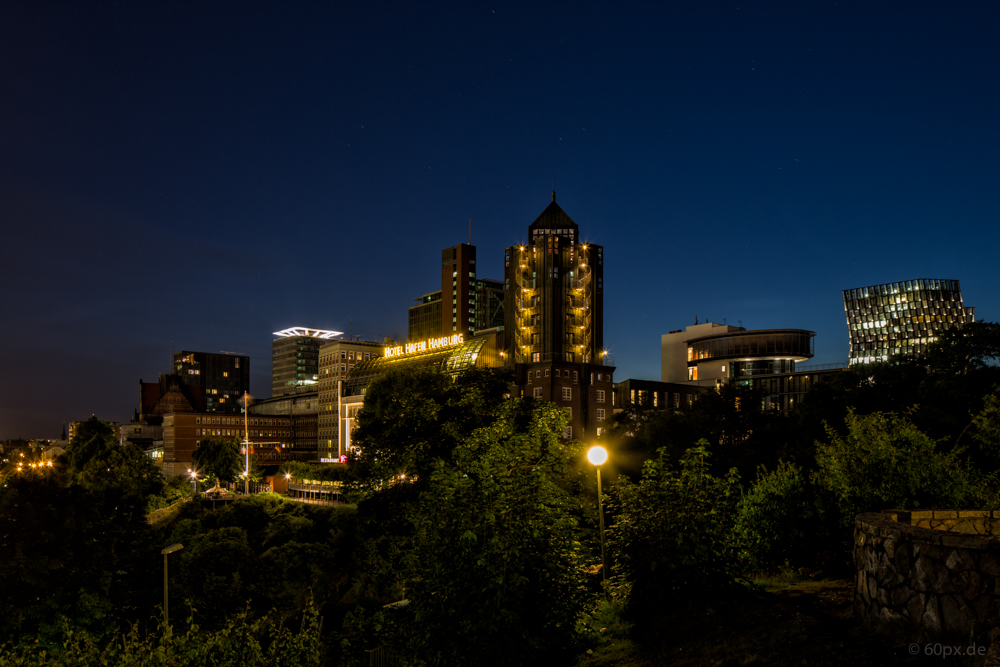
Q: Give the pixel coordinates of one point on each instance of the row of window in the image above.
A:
(228, 432)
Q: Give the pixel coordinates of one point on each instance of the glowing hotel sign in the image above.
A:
(424, 345)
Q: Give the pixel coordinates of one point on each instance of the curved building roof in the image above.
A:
(794, 344)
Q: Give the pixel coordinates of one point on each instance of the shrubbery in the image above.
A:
(672, 536)
(776, 520)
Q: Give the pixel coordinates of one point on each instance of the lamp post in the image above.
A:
(246, 442)
(194, 481)
(598, 455)
(166, 611)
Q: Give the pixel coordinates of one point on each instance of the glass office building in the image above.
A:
(295, 359)
(901, 319)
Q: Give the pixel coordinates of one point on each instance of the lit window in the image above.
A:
(225, 374)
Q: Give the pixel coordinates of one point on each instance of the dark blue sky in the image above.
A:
(205, 175)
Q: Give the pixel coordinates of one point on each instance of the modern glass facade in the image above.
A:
(901, 319)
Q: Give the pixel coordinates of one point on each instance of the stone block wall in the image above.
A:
(937, 570)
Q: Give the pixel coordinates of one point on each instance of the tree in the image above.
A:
(497, 565)
(411, 418)
(469, 512)
(219, 458)
(97, 460)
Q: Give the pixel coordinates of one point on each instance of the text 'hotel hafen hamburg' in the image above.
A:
(902, 319)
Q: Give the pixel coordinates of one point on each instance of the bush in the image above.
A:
(672, 532)
(775, 520)
(886, 462)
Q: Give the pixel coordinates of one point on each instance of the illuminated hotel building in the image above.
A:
(901, 319)
(553, 321)
(336, 360)
(295, 359)
(221, 378)
(451, 355)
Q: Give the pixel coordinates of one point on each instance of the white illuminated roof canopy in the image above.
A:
(305, 331)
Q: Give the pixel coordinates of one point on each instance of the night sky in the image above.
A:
(203, 174)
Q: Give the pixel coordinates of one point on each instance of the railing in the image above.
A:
(819, 367)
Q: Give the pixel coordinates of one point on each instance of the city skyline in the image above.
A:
(196, 179)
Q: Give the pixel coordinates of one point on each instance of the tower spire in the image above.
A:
(553, 186)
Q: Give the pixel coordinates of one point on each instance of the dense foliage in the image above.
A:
(886, 462)
(243, 641)
(671, 540)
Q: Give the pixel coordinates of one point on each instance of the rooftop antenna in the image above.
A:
(696, 319)
(553, 186)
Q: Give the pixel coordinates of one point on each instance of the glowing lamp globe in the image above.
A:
(597, 455)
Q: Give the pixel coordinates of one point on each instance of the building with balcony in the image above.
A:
(901, 319)
(554, 321)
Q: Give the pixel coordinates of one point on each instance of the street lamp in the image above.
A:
(246, 441)
(194, 481)
(166, 612)
(598, 455)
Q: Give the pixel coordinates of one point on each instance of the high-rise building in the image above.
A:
(336, 360)
(901, 319)
(554, 294)
(295, 359)
(554, 321)
(222, 378)
(458, 289)
(464, 305)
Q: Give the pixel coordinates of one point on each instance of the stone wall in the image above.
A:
(935, 570)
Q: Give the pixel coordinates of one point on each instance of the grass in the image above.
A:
(782, 621)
